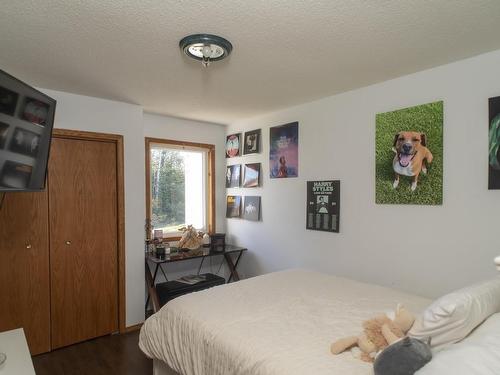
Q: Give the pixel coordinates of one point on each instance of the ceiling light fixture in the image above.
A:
(206, 47)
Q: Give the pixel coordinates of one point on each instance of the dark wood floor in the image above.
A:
(110, 355)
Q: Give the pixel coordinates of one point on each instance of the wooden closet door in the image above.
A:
(83, 240)
(24, 268)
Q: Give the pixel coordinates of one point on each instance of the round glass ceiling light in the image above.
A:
(206, 47)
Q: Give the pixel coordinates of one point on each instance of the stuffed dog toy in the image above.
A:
(412, 156)
(378, 333)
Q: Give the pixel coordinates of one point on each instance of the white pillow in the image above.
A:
(453, 316)
(477, 354)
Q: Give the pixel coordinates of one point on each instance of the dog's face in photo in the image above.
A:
(406, 144)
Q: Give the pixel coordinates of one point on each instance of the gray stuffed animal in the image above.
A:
(404, 357)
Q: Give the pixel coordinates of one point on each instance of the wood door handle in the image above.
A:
(68, 243)
(28, 245)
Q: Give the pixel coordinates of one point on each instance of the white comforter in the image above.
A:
(278, 324)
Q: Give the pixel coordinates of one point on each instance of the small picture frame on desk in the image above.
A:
(158, 234)
(218, 242)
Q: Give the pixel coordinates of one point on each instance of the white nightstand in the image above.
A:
(13, 344)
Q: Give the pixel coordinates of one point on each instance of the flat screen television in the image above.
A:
(26, 121)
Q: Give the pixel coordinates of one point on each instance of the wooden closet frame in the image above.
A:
(118, 141)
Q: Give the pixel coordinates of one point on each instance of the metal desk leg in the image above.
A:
(238, 259)
(201, 264)
(163, 272)
(150, 280)
(148, 277)
(156, 272)
(232, 266)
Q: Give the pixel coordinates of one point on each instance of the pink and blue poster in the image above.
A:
(284, 151)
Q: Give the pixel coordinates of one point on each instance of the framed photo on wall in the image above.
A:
(233, 176)
(233, 207)
(409, 155)
(494, 144)
(251, 208)
(284, 151)
(251, 145)
(323, 205)
(252, 175)
(233, 145)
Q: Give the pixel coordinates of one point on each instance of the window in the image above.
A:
(180, 186)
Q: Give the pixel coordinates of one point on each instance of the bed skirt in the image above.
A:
(161, 368)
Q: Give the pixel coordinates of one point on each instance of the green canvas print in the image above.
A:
(409, 155)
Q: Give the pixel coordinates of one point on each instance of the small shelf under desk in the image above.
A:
(232, 256)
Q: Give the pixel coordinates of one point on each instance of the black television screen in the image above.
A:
(26, 121)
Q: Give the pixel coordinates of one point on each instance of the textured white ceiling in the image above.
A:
(285, 51)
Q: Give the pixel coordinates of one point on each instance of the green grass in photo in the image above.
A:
(428, 119)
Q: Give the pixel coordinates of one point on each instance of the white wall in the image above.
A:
(427, 250)
(424, 249)
(92, 114)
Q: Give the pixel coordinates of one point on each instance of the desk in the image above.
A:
(201, 254)
(13, 344)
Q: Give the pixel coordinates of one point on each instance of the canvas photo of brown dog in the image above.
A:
(409, 155)
(412, 157)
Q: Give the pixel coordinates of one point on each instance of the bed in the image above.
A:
(277, 324)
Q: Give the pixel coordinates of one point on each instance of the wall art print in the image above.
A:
(233, 206)
(252, 142)
(233, 145)
(284, 151)
(323, 205)
(252, 175)
(233, 176)
(409, 156)
(494, 144)
(251, 208)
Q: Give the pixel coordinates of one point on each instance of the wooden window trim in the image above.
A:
(210, 178)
